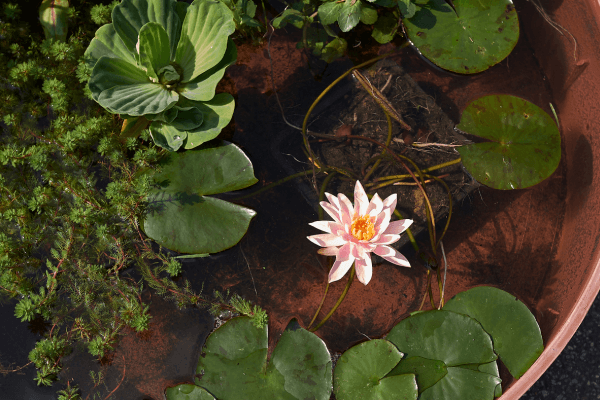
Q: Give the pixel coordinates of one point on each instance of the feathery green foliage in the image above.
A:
(71, 193)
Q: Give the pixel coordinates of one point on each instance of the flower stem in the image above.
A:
(342, 296)
(320, 306)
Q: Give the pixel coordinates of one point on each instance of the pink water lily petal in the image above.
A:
(381, 224)
(346, 209)
(361, 201)
(390, 202)
(328, 226)
(327, 240)
(342, 264)
(387, 239)
(364, 269)
(333, 200)
(397, 227)
(333, 213)
(329, 251)
(392, 255)
(375, 206)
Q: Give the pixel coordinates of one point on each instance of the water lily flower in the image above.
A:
(357, 231)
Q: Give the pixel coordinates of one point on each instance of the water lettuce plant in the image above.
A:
(161, 60)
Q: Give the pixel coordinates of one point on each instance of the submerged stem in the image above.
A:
(342, 296)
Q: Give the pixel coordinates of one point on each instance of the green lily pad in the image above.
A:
(524, 147)
(187, 391)
(453, 339)
(181, 217)
(462, 383)
(515, 332)
(234, 364)
(204, 35)
(481, 35)
(428, 372)
(361, 371)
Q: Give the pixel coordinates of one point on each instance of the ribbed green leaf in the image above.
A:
(138, 99)
(167, 136)
(130, 15)
(202, 88)
(203, 39)
(154, 49)
(107, 43)
(188, 118)
(217, 114)
(110, 72)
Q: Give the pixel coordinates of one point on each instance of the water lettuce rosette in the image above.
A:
(162, 59)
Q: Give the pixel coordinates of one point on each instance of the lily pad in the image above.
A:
(234, 364)
(361, 371)
(453, 339)
(472, 39)
(515, 332)
(462, 383)
(524, 147)
(428, 372)
(181, 217)
(187, 391)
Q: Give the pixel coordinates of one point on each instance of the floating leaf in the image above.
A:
(368, 14)
(334, 50)
(407, 8)
(349, 14)
(462, 383)
(53, 17)
(385, 29)
(289, 15)
(181, 217)
(329, 12)
(524, 147)
(428, 372)
(234, 365)
(361, 371)
(513, 328)
(187, 391)
(453, 339)
(481, 35)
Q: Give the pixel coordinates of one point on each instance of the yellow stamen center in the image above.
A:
(362, 228)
